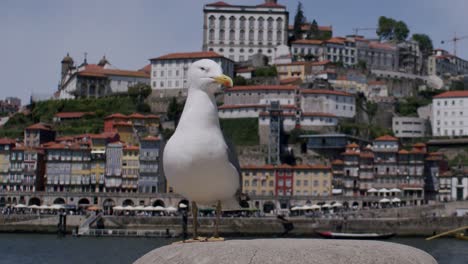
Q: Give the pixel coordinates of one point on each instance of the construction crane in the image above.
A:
(356, 30)
(455, 39)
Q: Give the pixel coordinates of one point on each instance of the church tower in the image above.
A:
(67, 65)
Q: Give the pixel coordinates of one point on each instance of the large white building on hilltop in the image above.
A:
(169, 72)
(238, 31)
(450, 114)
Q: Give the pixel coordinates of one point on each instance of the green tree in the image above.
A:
(425, 46)
(385, 28)
(457, 86)
(390, 29)
(400, 31)
(424, 42)
(324, 35)
(269, 71)
(239, 81)
(299, 20)
(362, 65)
(313, 32)
(139, 91)
(174, 110)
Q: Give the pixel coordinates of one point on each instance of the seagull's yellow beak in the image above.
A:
(224, 80)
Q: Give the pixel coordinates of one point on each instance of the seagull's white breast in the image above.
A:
(196, 164)
(195, 160)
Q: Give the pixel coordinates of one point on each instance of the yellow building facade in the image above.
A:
(130, 168)
(307, 180)
(259, 180)
(312, 180)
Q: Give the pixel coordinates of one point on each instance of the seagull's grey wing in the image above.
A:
(232, 156)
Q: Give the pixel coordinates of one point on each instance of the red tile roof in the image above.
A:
(352, 145)
(189, 55)
(55, 146)
(7, 141)
(386, 138)
(339, 41)
(131, 148)
(283, 114)
(146, 69)
(39, 126)
(219, 3)
(291, 80)
(403, 152)
(262, 88)
(452, 94)
(73, 146)
(338, 162)
(137, 116)
(419, 145)
(318, 114)
(306, 27)
(321, 91)
(366, 155)
(379, 45)
(94, 70)
(98, 136)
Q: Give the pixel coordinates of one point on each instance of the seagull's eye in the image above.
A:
(203, 68)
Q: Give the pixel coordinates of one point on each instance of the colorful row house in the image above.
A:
(286, 180)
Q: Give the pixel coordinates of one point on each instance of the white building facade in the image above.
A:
(340, 104)
(408, 127)
(238, 32)
(450, 114)
(169, 72)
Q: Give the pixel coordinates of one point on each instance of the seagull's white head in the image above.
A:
(207, 75)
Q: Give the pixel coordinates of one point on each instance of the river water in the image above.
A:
(50, 249)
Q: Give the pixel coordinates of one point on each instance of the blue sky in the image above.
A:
(37, 34)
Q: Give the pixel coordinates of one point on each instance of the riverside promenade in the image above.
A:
(404, 221)
(252, 226)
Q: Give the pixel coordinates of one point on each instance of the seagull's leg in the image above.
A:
(218, 216)
(195, 220)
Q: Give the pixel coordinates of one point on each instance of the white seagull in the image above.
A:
(197, 162)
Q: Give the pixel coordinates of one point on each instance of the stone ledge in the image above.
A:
(291, 251)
